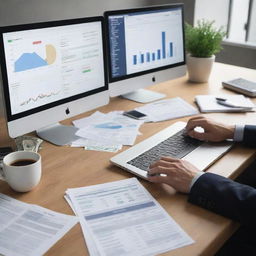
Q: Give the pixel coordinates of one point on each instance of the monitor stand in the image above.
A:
(143, 96)
(58, 134)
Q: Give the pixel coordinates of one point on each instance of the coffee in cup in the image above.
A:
(22, 162)
(22, 170)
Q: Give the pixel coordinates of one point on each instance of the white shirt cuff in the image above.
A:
(239, 133)
(195, 179)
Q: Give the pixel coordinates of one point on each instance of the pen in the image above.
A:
(220, 99)
(225, 102)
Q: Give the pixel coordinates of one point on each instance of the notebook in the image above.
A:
(169, 142)
(209, 103)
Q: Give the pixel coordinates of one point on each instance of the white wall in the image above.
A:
(216, 10)
(26, 11)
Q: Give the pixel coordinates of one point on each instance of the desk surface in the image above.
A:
(65, 167)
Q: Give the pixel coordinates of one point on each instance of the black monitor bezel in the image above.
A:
(107, 14)
(9, 115)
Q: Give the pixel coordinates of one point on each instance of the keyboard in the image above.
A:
(177, 146)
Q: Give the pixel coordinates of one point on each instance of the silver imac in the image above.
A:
(52, 71)
(145, 47)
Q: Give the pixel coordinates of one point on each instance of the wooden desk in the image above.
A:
(65, 167)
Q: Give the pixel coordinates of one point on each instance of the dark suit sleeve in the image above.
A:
(249, 135)
(225, 197)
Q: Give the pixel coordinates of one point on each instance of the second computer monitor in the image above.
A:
(145, 46)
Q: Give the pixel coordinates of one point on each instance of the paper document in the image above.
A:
(108, 131)
(167, 109)
(122, 218)
(30, 230)
(81, 123)
(210, 103)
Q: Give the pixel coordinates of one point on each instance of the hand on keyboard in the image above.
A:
(176, 173)
(176, 146)
(212, 131)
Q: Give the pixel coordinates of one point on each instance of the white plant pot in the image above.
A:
(199, 69)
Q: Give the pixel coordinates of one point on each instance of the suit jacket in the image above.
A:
(250, 135)
(224, 196)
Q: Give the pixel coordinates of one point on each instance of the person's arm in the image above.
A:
(212, 130)
(216, 132)
(213, 192)
(249, 135)
(225, 197)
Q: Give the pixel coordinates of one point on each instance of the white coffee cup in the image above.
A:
(22, 170)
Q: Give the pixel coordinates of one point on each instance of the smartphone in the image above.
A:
(242, 86)
(135, 114)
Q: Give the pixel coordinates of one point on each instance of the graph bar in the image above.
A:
(158, 54)
(163, 45)
(171, 50)
(148, 57)
(165, 51)
(134, 59)
(153, 56)
(142, 58)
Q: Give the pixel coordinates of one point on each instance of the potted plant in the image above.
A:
(202, 43)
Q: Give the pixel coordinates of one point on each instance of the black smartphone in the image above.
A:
(135, 114)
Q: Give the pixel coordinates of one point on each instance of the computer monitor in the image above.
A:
(52, 71)
(145, 47)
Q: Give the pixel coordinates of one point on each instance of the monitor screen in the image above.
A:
(144, 41)
(52, 71)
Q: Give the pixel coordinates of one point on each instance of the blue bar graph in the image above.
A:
(142, 58)
(134, 59)
(159, 54)
(153, 56)
(171, 50)
(148, 57)
(163, 45)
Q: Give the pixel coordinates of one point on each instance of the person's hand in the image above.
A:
(177, 173)
(213, 131)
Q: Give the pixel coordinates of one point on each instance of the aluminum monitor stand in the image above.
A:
(58, 134)
(143, 96)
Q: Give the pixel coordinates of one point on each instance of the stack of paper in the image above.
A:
(211, 103)
(122, 218)
(167, 109)
(106, 132)
(28, 230)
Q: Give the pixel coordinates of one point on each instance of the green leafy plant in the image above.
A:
(203, 40)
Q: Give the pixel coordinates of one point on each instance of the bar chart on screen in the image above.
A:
(157, 55)
(152, 47)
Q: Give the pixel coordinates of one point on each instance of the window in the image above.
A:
(240, 21)
(237, 16)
